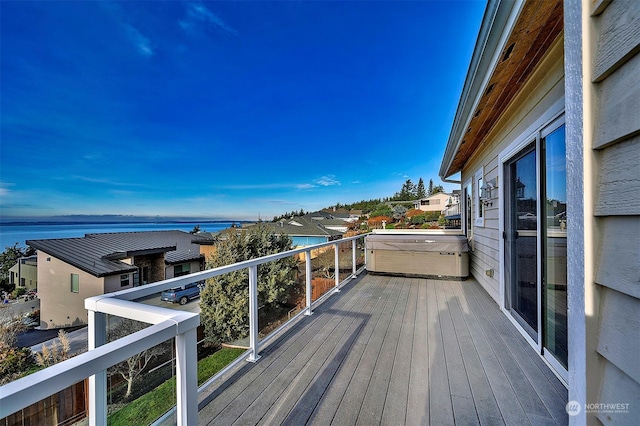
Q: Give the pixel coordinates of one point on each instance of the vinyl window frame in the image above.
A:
(479, 213)
(74, 283)
(467, 208)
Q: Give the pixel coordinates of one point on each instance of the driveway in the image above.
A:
(78, 338)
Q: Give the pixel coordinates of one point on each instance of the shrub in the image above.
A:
(14, 363)
(19, 291)
(418, 220)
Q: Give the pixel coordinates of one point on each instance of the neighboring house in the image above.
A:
(355, 215)
(72, 269)
(434, 203)
(452, 213)
(335, 213)
(24, 273)
(546, 138)
(305, 230)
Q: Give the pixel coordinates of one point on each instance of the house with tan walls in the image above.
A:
(72, 269)
(546, 145)
(434, 203)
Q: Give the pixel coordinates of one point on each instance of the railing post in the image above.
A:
(308, 281)
(337, 270)
(187, 378)
(353, 257)
(97, 336)
(253, 313)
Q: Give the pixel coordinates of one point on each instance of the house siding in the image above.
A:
(59, 306)
(544, 89)
(616, 112)
(193, 267)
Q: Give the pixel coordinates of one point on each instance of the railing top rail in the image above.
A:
(39, 385)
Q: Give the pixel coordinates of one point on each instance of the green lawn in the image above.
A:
(152, 405)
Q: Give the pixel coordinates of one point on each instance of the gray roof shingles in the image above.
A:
(98, 254)
(309, 227)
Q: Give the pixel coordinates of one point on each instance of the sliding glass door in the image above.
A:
(535, 241)
(554, 247)
(521, 239)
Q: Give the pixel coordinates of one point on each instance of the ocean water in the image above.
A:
(19, 233)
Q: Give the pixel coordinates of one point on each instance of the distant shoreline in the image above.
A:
(117, 222)
(19, 232)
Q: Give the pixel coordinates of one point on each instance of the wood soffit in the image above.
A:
(539, 24)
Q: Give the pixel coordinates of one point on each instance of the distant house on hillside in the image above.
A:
(355, 215)
(72, 269)
(434, 203)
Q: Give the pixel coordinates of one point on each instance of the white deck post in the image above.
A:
(97, 336)
(187, 378)
(337, 270)
(308, 279)
(253, 313)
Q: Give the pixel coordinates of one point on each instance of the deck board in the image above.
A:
(464, 411)
(394, 350)
(395, 409)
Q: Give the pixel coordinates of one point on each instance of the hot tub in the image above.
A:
(418, 254)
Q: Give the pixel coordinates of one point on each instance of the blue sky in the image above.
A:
(224, 109)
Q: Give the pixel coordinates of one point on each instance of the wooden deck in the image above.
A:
(394, 351)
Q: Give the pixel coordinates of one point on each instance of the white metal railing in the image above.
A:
(165, 323)
(452, 210)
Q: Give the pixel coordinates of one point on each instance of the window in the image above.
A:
(180, 270)
(124, 280)
(436, 201)
(468, 209)
(479, 178)
(75, 283)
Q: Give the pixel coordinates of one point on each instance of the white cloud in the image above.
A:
(306, 186)
(4, 191)
(105, 181)
(199, 13)
(328, 180)
(140, 42)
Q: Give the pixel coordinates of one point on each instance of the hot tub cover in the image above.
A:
(418, 242)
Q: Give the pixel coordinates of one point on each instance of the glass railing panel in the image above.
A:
(142, 388)
(281, 292)
(224, 311)
(322, 271)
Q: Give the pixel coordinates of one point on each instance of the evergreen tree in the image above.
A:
(430, 193)
(437, 189)
(407, 192)
(420, 191)
(224, 303)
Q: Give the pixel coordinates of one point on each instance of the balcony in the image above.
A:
(451, 210)
(374, 350)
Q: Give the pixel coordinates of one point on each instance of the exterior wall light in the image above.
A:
(486, 192)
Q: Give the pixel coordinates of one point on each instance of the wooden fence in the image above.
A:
(61, 409)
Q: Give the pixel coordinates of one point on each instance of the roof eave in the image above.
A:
(498, 21)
